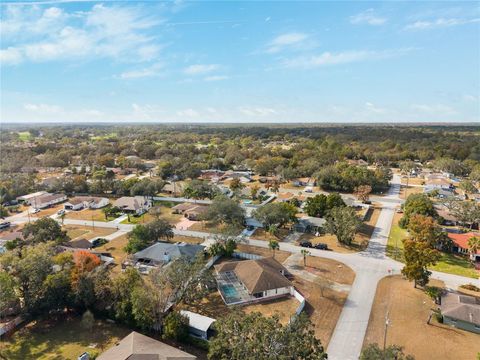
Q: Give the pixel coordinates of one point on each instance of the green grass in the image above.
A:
(448, 263)
(24, 135)
(65, 339)
(104, 137)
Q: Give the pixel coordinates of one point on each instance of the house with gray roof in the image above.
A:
(133, 204)
(461, 311)
(162, 253)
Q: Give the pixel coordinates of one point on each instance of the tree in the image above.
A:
(305, 253)
(8, 296)
(278, 214)
(122, 293)
(175, 326)
(424, 228)
(334, 200)
(198, 189)
(62, 217)
(467, 212)
(30, 266)
(254, 191)
(343, 223)
(362, 192)
(417, 204)
(392, 352)
(88, 320)
(224, 245)
(418, 256)
(273, 245)
(468, 186)
(473, 245)
(236, 185)
(43, 230)
(316, 205)
(253, 336)
(142, 236)
(156, 212)
(224, 210)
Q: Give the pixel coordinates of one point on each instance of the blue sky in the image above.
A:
(126, 61)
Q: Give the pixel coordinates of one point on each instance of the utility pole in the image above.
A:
(387, 323)
(93, 224)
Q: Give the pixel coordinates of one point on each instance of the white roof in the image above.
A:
(31, 196)
(198, 321)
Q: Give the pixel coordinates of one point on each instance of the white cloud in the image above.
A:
(216, 78)
(374, 109)
(328, 58)
(288, 40)
(198, 69)
(257, 111)
(149, 71)
(189, 113)
(439, 23)
(367, 17)
(43, 108)
(32, 34)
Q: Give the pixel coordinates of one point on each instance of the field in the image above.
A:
(45, 340)
(280, 255)
(448, 263)
(166, 214)
(361, 238)
(87, 232)
(408, 311)
(88, 215)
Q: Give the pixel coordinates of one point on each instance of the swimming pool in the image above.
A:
(229, 291)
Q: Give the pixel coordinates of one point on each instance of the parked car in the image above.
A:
(306, 244)
(4, 225)
(321, 246)
(35, 211)
(60, 212)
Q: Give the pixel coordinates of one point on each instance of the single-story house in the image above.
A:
(437, 183)
(448, 218)
(305, 181)
(181, 208)
(309, 224)
(136, 346)
(80, 244)
(199, 325)
(172, 188)
(359, 162)
(196, 213)
(285, 197)
(162, 253)
(133, 204)
(461, 311)
(46, 200)
(27, 198)
(82, 202)
(460, 244)
(252, 222)
(242, 282)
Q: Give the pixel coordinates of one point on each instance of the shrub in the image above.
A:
(470, 287)
(175, 326)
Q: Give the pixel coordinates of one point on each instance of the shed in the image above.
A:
(199, 325)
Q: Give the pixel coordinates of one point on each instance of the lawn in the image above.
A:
(65, 339)
(261, 234)
(24, 135)
(405, 192)
(115, 248)
(87, 232)
(448, 263)
(88, 215)
(328, 269)
(280, 255)
(408, 311)
(166, 214)
(204, 226)
(284, 308)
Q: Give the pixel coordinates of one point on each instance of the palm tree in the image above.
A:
(474, 245)
(107, 210)
(62, 216)
(305, 253)
(273, 245)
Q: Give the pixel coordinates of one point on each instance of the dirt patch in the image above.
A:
(323, 306)
(261, 234)
(280, 255)
(408, 310)
(329, 269)
(284, 308)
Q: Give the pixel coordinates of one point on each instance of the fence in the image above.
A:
(246, 256)
(300, 299)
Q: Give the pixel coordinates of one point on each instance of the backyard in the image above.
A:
(116, 248)
(63, 339)
(448, 263)
(280, 255)
(408, 310)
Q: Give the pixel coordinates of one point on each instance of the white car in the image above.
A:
(60, 212)
(35, 211)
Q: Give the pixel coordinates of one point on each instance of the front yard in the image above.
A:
(166, 214)
(88, 215)
(87, 232)
(408, 310)
(449, 263)
(64, 339)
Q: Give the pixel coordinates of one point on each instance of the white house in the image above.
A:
(83, 202)
(46, 200)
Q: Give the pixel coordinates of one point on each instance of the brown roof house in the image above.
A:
(133, 204)
(136, 346)
(191, 211)
(242, 282)
(461, 311)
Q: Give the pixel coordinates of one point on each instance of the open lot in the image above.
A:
(66, 339)
(166, 214)
(328, 269)
(88, 215)
(413, 181)
(47, 211)
(87, 232)
(406, 192)
(280, 255)
(115, 248)
(361, 238)
(448, 263)
(408, 311)
(323, 306)
(261, 234)
(204, 226)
